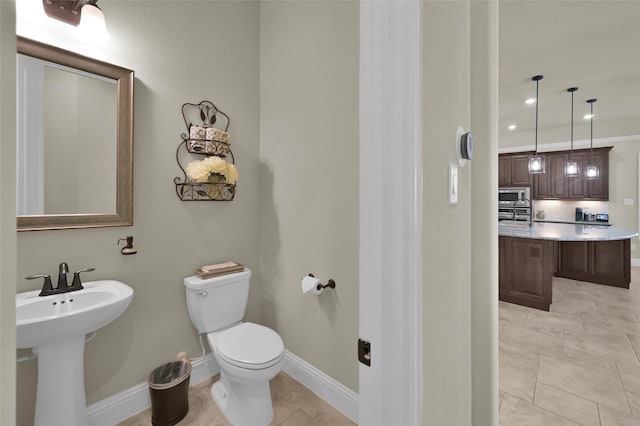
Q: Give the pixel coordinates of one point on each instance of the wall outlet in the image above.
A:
(628, 201)
(633, 247)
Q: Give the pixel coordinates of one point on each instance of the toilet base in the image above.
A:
(243, 404)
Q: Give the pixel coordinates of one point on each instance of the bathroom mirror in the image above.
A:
(75, 140)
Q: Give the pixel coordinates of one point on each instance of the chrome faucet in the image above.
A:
(63, 286)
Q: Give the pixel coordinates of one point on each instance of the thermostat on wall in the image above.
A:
(464, 146)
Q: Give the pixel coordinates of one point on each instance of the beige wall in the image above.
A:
(623, 183)
(181, 52)
(302, 190)
(484, 220)
(446, 229)
(7, 212)
(309, 53)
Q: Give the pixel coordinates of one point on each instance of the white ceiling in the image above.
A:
(592, 45)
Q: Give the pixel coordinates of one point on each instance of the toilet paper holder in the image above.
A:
(330, 284)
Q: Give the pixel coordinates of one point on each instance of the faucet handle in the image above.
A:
(77, 284)
(46, 287)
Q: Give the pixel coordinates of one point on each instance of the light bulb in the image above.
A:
(571, 168)
(92, 26)
(536, 164)
(591, 172)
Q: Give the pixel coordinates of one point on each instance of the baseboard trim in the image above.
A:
(333, 392)
(122, 405)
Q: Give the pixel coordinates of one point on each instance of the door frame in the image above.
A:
(390, 290)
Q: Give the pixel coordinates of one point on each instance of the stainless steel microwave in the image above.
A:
(513, 196)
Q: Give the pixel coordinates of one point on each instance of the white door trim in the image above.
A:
(390, 212)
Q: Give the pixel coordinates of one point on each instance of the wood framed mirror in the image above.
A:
(75, 140)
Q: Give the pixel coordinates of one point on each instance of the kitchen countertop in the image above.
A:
(574, 222)
(563, 231)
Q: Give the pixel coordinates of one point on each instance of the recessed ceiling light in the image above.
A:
(588, 116)
(530, 101)
(511, 126)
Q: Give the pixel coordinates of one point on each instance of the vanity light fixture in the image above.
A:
(591, 171)
(536, 161)
(83, 14)
(571, 166)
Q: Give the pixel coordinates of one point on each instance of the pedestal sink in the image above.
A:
(55, 326)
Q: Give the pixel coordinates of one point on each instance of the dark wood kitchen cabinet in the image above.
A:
(598, 189)
(553, 183)
(577, 185)
(526, 269)
(602, 262)
(513, 170)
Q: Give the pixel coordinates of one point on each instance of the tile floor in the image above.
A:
(578, 364)
(293, 405)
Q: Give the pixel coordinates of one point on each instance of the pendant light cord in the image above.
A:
(571, 154)
(537, 83)
(591, 101)
(572, 90)
(537, 79)
(591, 147)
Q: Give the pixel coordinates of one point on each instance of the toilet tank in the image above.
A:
(215, 303)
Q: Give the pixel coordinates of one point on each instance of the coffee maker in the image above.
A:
(579, 214)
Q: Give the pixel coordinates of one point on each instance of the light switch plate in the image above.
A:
(628, 201)
(453, 184)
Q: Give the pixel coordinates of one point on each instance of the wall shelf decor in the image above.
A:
(212, 143)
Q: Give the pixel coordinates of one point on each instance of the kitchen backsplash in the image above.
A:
(561, 210)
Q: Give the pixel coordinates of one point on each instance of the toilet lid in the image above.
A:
(250, 345)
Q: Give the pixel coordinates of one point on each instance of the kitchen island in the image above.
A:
(531, 255)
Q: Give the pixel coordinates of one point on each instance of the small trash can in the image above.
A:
(169, 391)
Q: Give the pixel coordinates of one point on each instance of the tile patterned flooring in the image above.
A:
(578, 364)
(293, 405)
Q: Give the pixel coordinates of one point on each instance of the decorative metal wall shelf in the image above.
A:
(204, 139)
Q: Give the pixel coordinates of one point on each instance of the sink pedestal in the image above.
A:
(60, 399)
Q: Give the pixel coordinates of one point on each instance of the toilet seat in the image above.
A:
(250, 346)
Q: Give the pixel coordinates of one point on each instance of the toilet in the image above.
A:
(249, 355)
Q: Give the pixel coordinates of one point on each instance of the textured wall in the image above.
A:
(309, 54)
(181, 52)
(446, 229)
(7, 212)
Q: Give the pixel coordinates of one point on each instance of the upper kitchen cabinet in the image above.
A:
(598, 189)
(513, 170)
(554, 185)
(581, 188)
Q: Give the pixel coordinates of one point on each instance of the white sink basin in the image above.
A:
(55, 327)
(53, 318)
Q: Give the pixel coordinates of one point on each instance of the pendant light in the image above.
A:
(536, 161)
(571, 166)
(591, 171)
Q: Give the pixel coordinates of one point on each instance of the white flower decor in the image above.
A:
(214, 166)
